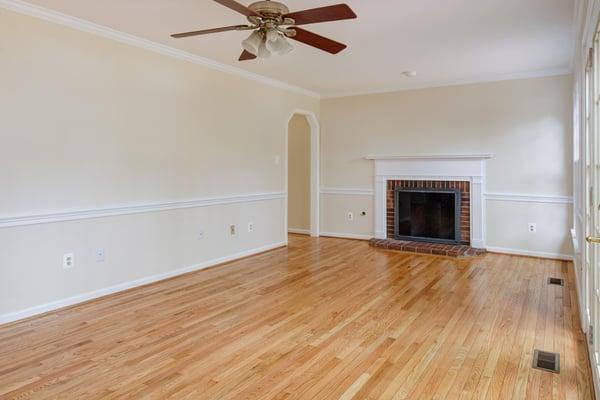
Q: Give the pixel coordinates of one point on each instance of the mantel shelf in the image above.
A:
(431, 157)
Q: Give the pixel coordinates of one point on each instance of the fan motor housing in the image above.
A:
(269, 9)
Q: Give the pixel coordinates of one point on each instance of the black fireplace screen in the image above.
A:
(431, 215)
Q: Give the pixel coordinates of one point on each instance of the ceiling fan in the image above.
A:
(272, 23)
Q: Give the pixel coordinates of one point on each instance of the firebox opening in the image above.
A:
(431, 215)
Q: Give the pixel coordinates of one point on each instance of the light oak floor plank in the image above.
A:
(321, 319)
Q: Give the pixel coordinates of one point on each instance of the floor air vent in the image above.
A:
(546, 361)
(556, 281)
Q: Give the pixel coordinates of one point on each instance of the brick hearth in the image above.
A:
(450, 250)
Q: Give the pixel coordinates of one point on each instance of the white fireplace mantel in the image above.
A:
(442, 167)
(431, 157)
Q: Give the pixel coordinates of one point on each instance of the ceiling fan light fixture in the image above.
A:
(272, 23)
(253, 43)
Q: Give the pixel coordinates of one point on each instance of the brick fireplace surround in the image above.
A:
(465, 202)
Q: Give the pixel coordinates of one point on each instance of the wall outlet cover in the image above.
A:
(100, 256)
(68, 260)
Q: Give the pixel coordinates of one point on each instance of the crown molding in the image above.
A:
(122, 37)
(454, 82)
(578, 26)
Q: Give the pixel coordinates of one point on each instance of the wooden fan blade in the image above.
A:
(235, 6)
(246, 55)
(318, 41)
(322, 14)
(206, 31)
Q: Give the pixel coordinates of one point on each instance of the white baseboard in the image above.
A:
(575, 241)
(529, 253)
(478, 244)
(299, 231)
(55, 305)
(594, 361)
(346, 235)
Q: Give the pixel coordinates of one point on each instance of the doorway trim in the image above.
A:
(315, 140)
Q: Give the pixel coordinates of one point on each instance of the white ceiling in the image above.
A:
(446, 41)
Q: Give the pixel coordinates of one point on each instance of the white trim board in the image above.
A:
(339, 235)
(348, 191)
(510, 197)
(529, 253)
(431, 157)
(80, 298)
(528, 198)
(299, 231)
(492, 249)
(122, 37)
(315, 168)
(453, 82)
(72, 215)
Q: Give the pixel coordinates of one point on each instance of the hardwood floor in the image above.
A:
(322, 319)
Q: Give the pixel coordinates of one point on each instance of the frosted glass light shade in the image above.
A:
(277, 43)
(252, 43)
(263, 52)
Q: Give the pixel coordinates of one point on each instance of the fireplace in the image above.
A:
(427, 214)
(435, 201)
(465, 172)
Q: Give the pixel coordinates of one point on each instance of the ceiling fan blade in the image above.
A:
(246, 55)
(318, 41)
(322, 14)
(235, 6)
(206, 31)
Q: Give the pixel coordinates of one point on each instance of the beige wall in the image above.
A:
(526, 123)
(299, 173)
(90, 123)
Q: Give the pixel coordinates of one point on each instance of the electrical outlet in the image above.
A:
(232, 229)
(350, 216)
(532, 227)
(200, 234)
(250, 226)
(68, 260)
(100, 256)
